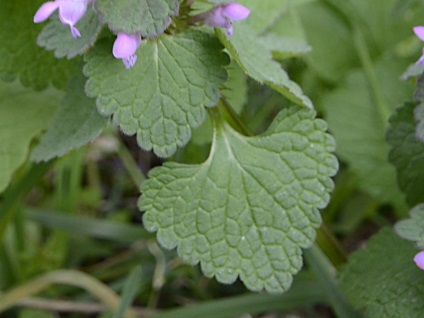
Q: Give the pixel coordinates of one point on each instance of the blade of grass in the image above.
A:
(303, 293)
(67, 277)
(108, 230)
(131, 287)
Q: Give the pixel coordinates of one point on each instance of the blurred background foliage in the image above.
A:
(72, 241)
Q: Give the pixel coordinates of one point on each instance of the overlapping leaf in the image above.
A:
(163, 96)
(407, 153)
(23, 115)
(76, 123)
(383, 279)
(249, 209)
(256, 60)
(150, 18)
(56, 36)
(20, 57)
(413, 228)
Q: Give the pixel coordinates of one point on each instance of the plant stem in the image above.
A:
(325, 272)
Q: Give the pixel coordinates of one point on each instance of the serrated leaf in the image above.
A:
(257, 62)
(20, 57)
(56, 36)
(383, 279)
(150, 18)
(23, 115)
(163, 96)
(359, 127)
(413, 70)
(76, 123)
(413, 228)
(406, 153)
(250, 208)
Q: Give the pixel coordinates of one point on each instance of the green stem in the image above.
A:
(233, 118)
(131, 166)
(368, 67)
(324, 272)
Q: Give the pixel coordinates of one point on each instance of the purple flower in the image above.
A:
(419, 260)
(70, 12)
(223, 16)
(125, 47)
(419, 31)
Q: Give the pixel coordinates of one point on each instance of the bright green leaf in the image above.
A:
(406, 153)
(20, 57)
(76, 123)
(23, 115)
(383, 280)
(163, 96)
(413, 228)
(150, 18)
(56, 36)
(251, 206)
(257, 62)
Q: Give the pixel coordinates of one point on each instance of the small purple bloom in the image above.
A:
(419, 260)
(223, 16)
(70, 12)
(419, 32)
(125, 47)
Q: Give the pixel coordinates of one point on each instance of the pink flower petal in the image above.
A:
(70, 12)
(235, 11)
(419, 260)
(419, 31)
(45, 11)
(125, 45)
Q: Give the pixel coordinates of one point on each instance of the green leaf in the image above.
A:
(150, 18)
(163, 96)
(76, 123)
(263, 14)
(359, 128)
(256, 60)
(20, 57)
(235, 88)
(251, 206)
(406, 153)
(412, 228)
(23, 115)
(333, 51)
(284, 47)
(56, 36)
(383, 279)
(419, 118)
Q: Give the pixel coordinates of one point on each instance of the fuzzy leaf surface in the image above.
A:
(407, 153)
(257, 61)
(163, 96)
(20, 56)
(413, 228)
(23, 115)
(76, 123)
(251, 206)
(56, 36)
(150, 18)
(383, 279)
